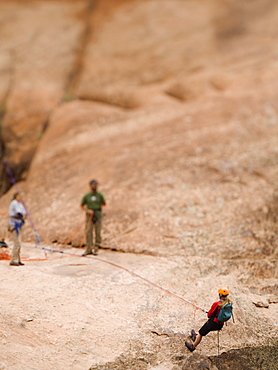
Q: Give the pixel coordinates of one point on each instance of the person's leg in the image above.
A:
(197, 340)
(192, 346)
(19, 239)
(95, 251)
(205, 329)
(98, 226)
(88, 231)
(16, 248)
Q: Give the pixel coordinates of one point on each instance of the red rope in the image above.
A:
(40, 259)
(73, 234)
(130, 272)
(151, 283)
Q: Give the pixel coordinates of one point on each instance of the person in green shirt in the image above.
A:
(92, 204)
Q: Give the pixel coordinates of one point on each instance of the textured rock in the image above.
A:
(172, 106)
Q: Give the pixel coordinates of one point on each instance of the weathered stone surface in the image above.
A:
(172, 107)
(134, 43)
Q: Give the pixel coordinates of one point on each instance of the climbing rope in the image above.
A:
(151, 283)
(122, 268)
(74, 234)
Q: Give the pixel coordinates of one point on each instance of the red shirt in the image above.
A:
(214, 311)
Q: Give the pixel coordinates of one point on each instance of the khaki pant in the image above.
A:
(93, 229)
(16, 248)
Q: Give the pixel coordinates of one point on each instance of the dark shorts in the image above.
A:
(210, 325)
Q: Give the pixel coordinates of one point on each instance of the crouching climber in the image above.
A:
(17, 213)
(219, 312)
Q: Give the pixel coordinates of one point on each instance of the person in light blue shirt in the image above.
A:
(17, 215)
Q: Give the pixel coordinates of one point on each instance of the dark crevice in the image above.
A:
(5, 182)
(160, 334)
(20, 171)
(77, 68)
(114, 101)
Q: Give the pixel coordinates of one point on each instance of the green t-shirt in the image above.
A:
(93, 201)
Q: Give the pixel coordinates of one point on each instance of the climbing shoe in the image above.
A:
(14, 264)
(21, 264)
(190, 346)
(193, 335)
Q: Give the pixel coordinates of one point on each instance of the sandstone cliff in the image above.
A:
(172, 106)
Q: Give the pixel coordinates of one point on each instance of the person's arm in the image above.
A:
(88, 211)
(103, 201)
(12, 209)
(83, 206)
(23, 211)
(212, 309)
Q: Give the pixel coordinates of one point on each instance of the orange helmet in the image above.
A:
(223, 291)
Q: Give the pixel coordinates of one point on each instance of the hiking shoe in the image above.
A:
(193, 335)
(14, 264)
(190, 346)
(21, 264)
(86, 253)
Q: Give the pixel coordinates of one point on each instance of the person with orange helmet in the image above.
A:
(219, 312)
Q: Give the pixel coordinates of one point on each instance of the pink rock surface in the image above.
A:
(172, 106)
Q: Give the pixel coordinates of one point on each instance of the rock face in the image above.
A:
(36, 67)
(172, 106)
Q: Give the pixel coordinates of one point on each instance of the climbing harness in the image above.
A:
(17, 225)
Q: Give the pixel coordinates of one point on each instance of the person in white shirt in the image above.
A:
(17, 213)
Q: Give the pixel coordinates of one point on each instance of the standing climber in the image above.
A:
(219, 312)
(92, 204)
(17, 213)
